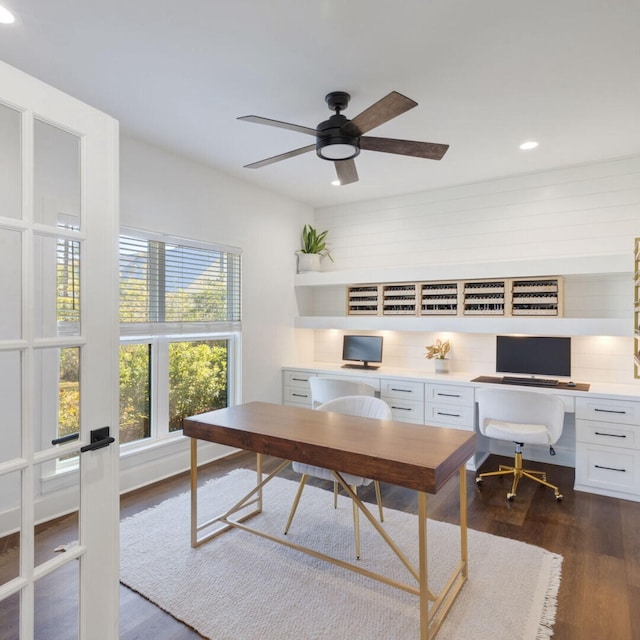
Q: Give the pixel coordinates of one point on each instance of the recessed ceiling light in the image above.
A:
(335, 183)
(6, 17)
(531, 144)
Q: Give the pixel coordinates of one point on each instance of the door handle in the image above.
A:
(67, 438)
(99, 438)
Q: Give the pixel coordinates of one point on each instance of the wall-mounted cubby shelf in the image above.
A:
(636, 307)
(537, 297)
(439, 299)
(363, 300)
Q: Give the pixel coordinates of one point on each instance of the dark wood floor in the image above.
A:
(598, 537)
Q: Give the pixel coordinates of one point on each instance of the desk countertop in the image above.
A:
(607, 389)
(389, 451)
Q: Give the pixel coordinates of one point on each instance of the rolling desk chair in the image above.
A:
(524, 417)
(326, 389)
(364, 407)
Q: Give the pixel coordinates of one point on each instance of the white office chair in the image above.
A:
(524, 417)
(364, 407)
(326, 389)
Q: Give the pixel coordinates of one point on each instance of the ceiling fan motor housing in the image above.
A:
(331, 141)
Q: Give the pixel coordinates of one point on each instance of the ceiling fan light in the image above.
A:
(337, 150)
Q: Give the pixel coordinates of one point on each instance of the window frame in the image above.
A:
(161, 334)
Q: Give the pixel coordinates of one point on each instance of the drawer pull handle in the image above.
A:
(597, 466)
(610, 411)
(300, 395)
(402, 408)
(403, 390)
(451, 415)
(300, 379)
(611, 435)
(449, 395)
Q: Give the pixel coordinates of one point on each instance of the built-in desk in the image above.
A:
(601, 435)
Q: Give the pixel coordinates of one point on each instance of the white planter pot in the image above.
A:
(442, 365)
(308, 262)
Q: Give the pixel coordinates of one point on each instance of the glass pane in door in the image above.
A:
(10, 163)
(10, 495)
(10, 282)
(11, 413)
(57, 196)
(56, 492)
(56, 604)
(57, 395)
(57, 295)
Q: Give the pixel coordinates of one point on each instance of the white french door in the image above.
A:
(58, 364)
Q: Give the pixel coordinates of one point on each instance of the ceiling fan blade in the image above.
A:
(429, 150)
(282, 156)
(389, 107)
(278, 123)
(346, 170)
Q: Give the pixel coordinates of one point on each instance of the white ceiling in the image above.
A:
(487, 74)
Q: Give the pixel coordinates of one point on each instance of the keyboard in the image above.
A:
(535, 382)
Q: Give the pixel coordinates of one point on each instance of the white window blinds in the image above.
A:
(175, 282)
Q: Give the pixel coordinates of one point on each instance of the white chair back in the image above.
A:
(325, 389)
(361, 406)
(524, 407)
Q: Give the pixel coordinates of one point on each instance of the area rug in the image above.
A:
(242, 587)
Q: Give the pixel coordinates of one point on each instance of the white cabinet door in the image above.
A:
(58, 355)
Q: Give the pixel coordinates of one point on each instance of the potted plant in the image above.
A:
(314, 248)
(438, 352)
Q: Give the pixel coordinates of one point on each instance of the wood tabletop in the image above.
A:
(416, 456)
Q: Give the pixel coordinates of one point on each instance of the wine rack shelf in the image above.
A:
(636, 308)
(538, 297)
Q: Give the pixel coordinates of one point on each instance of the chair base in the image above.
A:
(356, 519)
(518, 472)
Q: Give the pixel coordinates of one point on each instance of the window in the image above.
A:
(180, 329)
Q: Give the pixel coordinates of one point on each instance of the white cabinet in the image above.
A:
(296, 389)
(608, 447)
(406, 399)
(449, 405)
(453, 406)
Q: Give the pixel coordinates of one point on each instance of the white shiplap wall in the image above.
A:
(590, 210)
(586, 210)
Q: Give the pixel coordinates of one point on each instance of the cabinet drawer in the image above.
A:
(450, 394)
(297, 395)
(406, 410)
(402, 390)
(620, 411)
(372, 382)
(459, 417)
(297, 378)
(607, 467)
(608, 434)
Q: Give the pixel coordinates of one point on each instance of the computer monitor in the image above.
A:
(534, 355)
(362, 349)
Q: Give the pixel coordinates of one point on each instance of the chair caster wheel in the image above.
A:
(511, 496)
(559, 497)
(479, 481)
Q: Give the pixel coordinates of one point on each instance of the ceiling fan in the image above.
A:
(340, 140)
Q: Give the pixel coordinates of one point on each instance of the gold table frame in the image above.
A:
(433, 607)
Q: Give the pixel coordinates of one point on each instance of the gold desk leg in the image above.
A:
(194, 492)
(431, 621)
(422, 566)
(464, 556)
(259, 479)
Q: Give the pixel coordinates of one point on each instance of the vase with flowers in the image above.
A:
(438, 353)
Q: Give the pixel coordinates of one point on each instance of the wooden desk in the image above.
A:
(418, 457)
